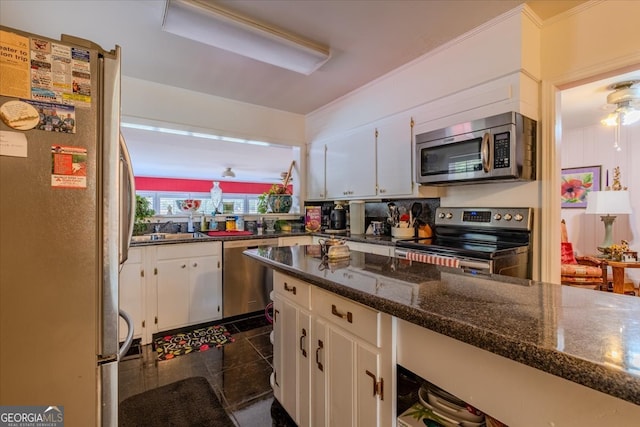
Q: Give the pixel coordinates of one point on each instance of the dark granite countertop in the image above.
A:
(588, 337)
(363, 238)
(205, 238)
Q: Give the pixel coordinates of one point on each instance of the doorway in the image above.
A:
(586, 143)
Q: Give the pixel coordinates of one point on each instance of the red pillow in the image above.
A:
(567, 253)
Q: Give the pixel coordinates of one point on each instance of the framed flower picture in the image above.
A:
(576, 183)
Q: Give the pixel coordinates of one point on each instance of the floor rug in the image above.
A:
(190, 402)
(203, 339)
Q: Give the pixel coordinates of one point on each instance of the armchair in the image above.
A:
(580, 271)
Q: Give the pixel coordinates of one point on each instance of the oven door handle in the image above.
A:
(486, 152)
(465, 263)
(474, 265)
(401, 253)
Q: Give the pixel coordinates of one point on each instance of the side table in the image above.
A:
(617, 267)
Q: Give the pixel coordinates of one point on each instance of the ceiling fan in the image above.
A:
(626, 98)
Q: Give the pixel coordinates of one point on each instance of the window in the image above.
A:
(161, 201)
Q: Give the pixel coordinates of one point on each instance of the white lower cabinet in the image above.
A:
(131, 293)
(332, 365)
(163, 287)
(291, 357)
(189, 284)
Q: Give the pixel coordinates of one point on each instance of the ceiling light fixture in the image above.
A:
(228, 173)
(194, 134)
(625, 96)
(211, 24)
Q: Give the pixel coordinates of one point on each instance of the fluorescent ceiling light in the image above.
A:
(209, 23)
(193, 134)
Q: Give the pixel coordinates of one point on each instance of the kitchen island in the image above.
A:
(512, 332)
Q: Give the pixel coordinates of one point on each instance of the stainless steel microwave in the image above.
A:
(501, 147)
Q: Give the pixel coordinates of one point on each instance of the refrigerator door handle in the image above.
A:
(128, 201)
(129, 339)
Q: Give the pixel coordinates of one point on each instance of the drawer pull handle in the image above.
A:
(320, 345)
(378, 387)
(335, 312)
(302, 337)
(289, 289)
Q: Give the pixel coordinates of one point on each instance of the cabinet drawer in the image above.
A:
(188, 250)
(292, 289)
(355, 318)
(135, 256)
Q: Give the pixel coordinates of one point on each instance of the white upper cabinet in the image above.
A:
(351, 165)
(372, 161)
(394, 156)
(316, 184)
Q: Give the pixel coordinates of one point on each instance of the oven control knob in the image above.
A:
(449, 215)
(441, 215)
(518, 217)
(507, 217)
(497, 217)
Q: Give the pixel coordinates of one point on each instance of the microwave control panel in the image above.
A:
(501, 150)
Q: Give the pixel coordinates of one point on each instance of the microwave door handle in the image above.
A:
(485, 152)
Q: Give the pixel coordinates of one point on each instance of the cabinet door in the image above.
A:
(341, 390)
(131, 293)
(351, 165)
(394, 157)
(292, 335)
(316, 186)
(288, 341)
(205, 289)
(370, 389)
(318, 373)
(277, 347)
(173, 293)
(304, 357)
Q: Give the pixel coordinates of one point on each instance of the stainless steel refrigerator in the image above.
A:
(66, 213)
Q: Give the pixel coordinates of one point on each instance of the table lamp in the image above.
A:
(608, 204)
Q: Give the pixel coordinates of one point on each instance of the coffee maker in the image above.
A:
(338, 218)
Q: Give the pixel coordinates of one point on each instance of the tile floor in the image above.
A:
(238, 372)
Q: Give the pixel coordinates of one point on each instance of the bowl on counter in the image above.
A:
(402, 232)
(188, 205)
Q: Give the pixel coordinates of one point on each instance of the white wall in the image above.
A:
(487, 53)
(144, 101)
(593, 146)
(594, 40)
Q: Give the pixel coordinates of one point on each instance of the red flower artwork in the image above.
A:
(574, 188)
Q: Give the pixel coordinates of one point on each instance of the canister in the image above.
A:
(231, 223)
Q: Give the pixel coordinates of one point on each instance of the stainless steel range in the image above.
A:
(482, 240)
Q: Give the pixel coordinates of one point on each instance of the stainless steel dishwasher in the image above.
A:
(246, 284)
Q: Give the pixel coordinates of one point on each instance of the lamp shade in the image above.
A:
(608, 202)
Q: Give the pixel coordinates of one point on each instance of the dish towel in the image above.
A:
(433, 259)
